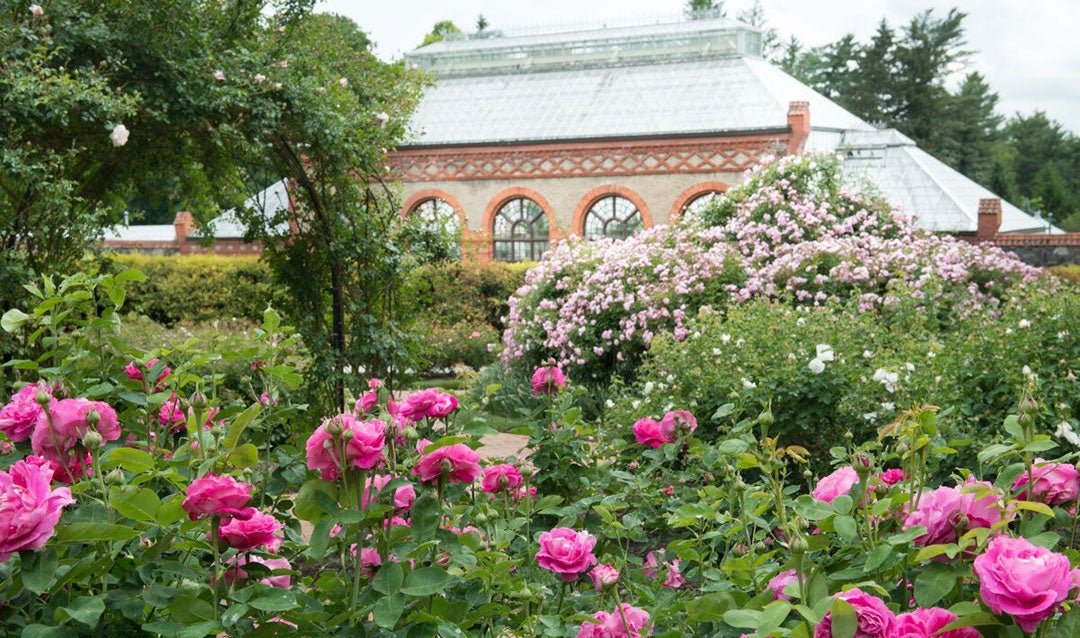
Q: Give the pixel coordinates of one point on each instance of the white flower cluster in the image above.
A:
(887, 379)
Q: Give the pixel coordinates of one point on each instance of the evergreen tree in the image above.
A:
(702, 9)
(871, 94)
(969, 129)
(439, 32)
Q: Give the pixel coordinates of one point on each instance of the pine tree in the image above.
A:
(872, 93)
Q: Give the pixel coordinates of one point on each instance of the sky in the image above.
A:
(1027, 50)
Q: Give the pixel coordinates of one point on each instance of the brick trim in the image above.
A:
(590, 198)
(425, 194)
(703, 154)
(692, 193)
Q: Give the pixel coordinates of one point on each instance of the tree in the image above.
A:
(215, 97)
(481, 23)
(703, 9)
(770, 40)
(439, 32)
(871, 93)
(971, 126)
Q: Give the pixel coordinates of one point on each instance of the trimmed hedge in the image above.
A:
(198, 288)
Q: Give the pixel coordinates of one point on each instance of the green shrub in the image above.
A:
(880, 366)
(198, 288)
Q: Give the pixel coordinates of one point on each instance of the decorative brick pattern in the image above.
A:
(576, 159)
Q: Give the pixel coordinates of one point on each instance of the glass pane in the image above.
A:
(613, 216)
(521, 231)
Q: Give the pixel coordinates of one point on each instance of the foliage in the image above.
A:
(877, 366)
(199, 288)
(697, 528)
(791, 232)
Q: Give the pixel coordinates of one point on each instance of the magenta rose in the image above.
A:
(170, 415)
(59, 432)
(612, 625)
(29, 507)
(938, 511)
(368, 402)
(363, 447)
(603, 576)
(1022, 580)
(222, 496)
(243, 534)
(925, 623)
(403, 495)
(135, 374)
(980, 511)
(433, 403)
(892, 476)
(875, 620)
(500, 478)
(648, 432)
(566, 552)
(780, 581)
(676, 423)
(458, 463)
(18, 417)
(1055, 483)
(839, 482)
(548, 380)
(235, 573)
(674, 579)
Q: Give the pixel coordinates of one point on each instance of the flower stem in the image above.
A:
(214, 522)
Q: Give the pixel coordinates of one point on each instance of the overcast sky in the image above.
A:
(1028, 50)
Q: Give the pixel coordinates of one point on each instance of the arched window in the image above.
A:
(694, 207)
(441, 225)
(521, 231)
(613, 216)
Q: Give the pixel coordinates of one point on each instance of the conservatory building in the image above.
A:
(528, 138)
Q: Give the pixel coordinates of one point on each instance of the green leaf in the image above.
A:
(271, 320)
(244, 456)
(733, 446)
(139, 505)
(812, 509)
(389, 578)
(1013, 427)
(130, 459)
(38, 569)
(1067, 626)
(13, 320)
(845, 622)
(933, 583)
(877, 557)
(425, 518)
(907, 535)
(846, 528)
(425, 581)
(709, 608)
(91, 532)
(842, 504)
(723, 411)
(41, 631)
(773, 615)
(388, 610)
(239, 424)
(743, 618)
(131, 274)
(188, 609)
(273, 599)
(171, 510)
(307, 508)
(85, 610)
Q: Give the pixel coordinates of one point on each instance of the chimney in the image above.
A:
(183, 224)
(989, 219)
(798, 119)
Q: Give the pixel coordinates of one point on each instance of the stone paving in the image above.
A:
(502, 445)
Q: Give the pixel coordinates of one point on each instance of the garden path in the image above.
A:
(502, 445)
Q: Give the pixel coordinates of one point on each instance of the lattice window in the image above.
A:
(438, 218)
(695, 206)
(613, 216)
(521, 231)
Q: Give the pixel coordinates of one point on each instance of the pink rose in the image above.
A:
(29, 507)
(892, 477)
(674, 579)
(566, 552)
(170, 415)
(984, 511)
(403, 495)
(370, 561)
(1022, 580)
(676, 423)
(135, 374)
(1055, 483)
(244, 534)
(647, 432)
(603, 576)
(363, 449)
(925, 623)
(499, 478)
(875, 620)
(235, 574)
(58, 433)
(780, 581)
(374, 383)
(433, 403)
(18, 417)
(366, 403)
(611, 625)
(839, 482)
(214, 495)
(458, 462)
(650, 565)
(548, 380)
(938, 512)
